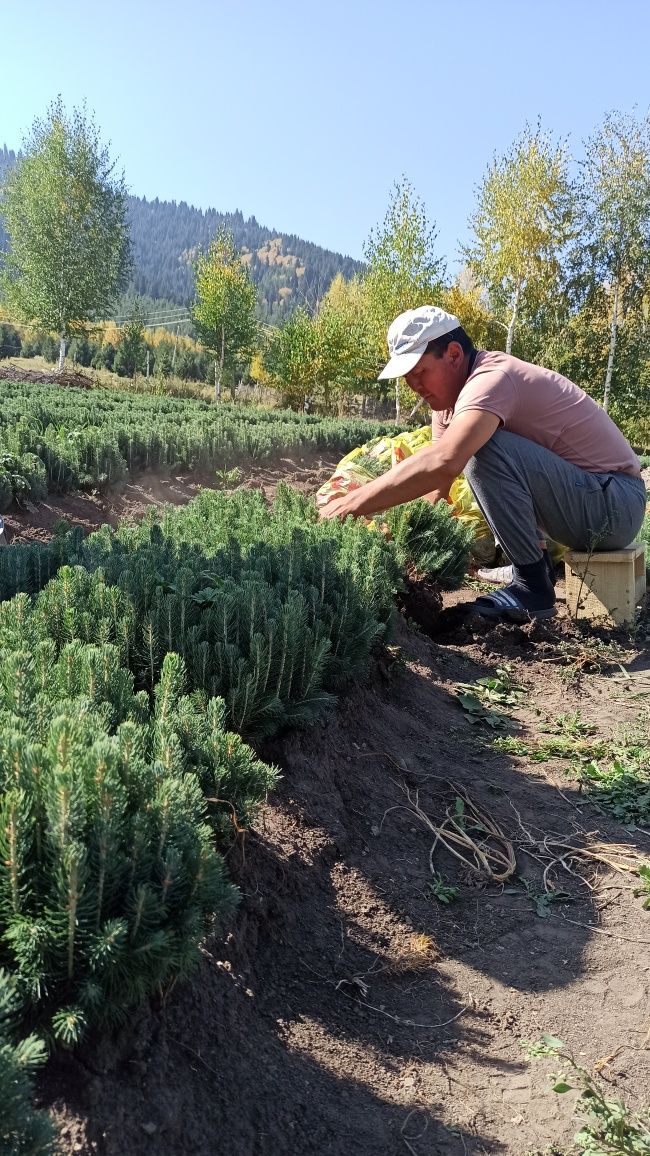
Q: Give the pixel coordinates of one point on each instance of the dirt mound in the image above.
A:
(65, 377)
(421, 601)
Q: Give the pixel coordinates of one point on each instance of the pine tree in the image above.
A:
(429, 538)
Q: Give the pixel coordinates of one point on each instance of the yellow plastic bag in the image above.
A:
(368, 461)
(465, 508)
(344, 479)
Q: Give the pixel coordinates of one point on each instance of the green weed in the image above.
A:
(587, 653)
(541, 900)
(557, 746)
(571, 724)
(568, 736)
(621, 786)
(608, 1126)
(443, 892)
(479, 585)
(478, 698)
(644, 889)
(552, 1150)
(615, 773)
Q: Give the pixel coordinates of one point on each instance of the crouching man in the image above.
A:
(542, 458)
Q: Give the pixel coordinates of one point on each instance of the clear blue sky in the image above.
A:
(304, 114)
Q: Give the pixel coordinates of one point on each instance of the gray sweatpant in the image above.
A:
(526, 492)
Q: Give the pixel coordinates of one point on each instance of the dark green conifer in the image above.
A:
(23, 1130)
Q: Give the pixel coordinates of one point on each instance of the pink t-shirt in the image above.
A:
(546, 408)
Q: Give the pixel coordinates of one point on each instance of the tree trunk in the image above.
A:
(397, 402)
(217, 380)
(612, 350)
(61, 352)
(416, 407)
(513, 319)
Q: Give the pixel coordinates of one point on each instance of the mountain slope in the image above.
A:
(166, 237)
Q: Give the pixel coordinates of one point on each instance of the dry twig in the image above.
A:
(602, 931)
(471, 835)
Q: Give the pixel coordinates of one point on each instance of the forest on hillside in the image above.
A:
(167, 236)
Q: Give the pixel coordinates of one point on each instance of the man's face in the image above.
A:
(439, 380)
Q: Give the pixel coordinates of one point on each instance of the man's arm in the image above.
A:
(431, 471)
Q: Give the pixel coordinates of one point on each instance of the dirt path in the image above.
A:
(348, 1011)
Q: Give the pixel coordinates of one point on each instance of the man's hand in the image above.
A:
(337, 507)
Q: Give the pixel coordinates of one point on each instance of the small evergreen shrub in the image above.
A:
(28, 567)
(108, 873)
(6, 491)
(23, 1130)
(432, 540)
(22, 476)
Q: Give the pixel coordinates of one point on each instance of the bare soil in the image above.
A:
(130, 501)
(347, 1010)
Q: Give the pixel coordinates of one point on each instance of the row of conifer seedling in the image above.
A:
(54, 439)
(135, 667)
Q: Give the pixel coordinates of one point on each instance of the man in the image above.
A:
(542, 458)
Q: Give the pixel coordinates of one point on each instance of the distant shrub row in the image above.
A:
(186, 364)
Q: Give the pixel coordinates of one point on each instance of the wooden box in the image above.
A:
(605, 585)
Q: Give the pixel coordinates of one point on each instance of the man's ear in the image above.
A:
(455, 352)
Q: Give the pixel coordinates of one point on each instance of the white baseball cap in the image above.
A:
(410, 333)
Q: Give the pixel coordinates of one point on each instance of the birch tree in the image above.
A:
(224, 310)
(615, 220)
(346, 332)
(66, 217)
(326, 356)
(291, 358)
(521, 226)
(404, 271)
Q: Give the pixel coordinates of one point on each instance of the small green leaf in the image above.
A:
(552, 1041)
(561, 1087)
